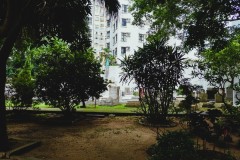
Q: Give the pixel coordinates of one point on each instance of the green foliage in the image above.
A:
(66, 19)
(65, 78)
(23, 85)
(156, 69)
(176, 145)
(187, 89)
(36, 19)
(220, 68)
(107, 56)
(196, 21)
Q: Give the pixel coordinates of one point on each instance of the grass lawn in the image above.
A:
(121, 108)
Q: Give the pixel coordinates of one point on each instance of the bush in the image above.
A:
(23, 85)
(175, 145)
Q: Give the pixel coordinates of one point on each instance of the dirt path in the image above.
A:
(117, 138)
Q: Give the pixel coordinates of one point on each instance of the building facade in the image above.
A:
(117, 34)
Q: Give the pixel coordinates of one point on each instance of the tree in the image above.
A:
(23, 85)
(65, 78)
(156, 69)
(107, 58)
(221, 68)
(36, 19)
(186, 88)
(194, 21)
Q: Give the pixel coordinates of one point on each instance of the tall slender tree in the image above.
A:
(36, 19)
(157, 70)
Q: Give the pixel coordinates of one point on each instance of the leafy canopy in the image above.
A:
(65, 78)
(194, 21)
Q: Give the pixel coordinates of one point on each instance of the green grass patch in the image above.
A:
(42, 105)
(121, 108)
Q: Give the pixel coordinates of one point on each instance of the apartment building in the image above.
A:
(115, 32)
(97, 26)
(118, 35)
(124, 38)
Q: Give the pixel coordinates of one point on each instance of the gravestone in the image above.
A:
(218, 98)
(114, 94)
(229, 94)
(203, 97)
(211, 93)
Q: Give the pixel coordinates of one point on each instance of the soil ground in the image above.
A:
(116, 138)
(91, 138)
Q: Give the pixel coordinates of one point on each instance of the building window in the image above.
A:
(108, 45)
(124, 50)
(113, 40)
(124, 36)
(89, 20)
(141, 38)
(108, 23)
(115, 52)
(124, 8)
(90, 33)
(114, 27)
(101, 25)
(101, 37)
(116, 38)
(108, 34)
(124, 22)
(101, 19)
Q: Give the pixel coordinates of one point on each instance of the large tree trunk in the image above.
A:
(4, 54)
(3, 127)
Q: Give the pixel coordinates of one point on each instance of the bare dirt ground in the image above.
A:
(111, 138)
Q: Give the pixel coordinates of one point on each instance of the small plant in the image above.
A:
(186, 88)
(213, 114)
(175, 145)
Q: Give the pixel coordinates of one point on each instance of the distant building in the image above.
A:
(118, 35)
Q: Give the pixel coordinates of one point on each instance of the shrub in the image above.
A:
(156, 69)
(23, 85)
(175, 145)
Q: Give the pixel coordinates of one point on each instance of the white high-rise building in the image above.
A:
(118, 35)
(115, 32)
(123, 37)
(97, 25)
